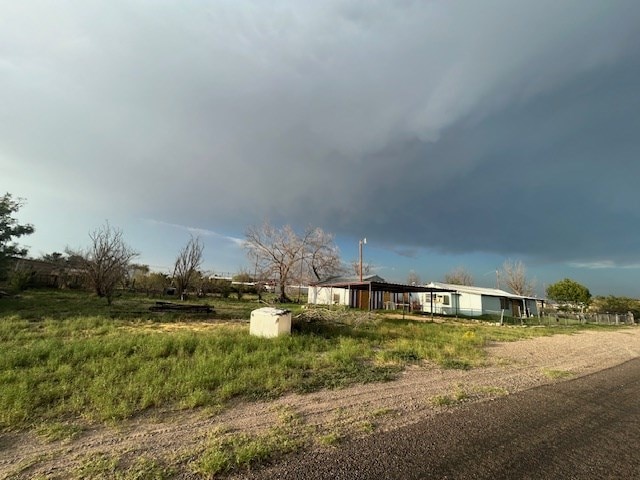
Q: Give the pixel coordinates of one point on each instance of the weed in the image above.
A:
(53, 431)
(441, 400)
(228, 453)
(469, 336)
(492, 391)
(112, 467)
(145, 468)
(98, 467)
(289, 418)
(459, 395)
(556, 374)
(381, 412)
(366, 426)
(456, 363)
(330, 439)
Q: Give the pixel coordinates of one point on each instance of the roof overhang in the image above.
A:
(385, 287)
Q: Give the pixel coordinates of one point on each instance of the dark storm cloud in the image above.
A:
(460, 126)
(552, 178)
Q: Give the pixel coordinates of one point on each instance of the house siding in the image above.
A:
(477, 301)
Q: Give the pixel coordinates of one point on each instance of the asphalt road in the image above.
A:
(586, 428)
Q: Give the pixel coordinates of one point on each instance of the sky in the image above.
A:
(447, 132)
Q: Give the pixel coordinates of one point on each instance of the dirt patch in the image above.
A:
(175, 437)
(187, 327)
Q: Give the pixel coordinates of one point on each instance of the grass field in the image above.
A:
(68, 359)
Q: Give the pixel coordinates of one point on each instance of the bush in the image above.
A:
(20, 280)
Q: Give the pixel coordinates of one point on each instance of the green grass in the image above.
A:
(458, 396)
(441, 400)
(52, 431)
(68, 359)
(226, 451)
(330, 439)
(110, 467)
(63, 304)
(241, 451)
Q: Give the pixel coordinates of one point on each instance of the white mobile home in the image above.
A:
(476, 301)
(338, 291)
(372, 293)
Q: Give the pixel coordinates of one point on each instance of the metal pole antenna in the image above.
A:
(362, 242)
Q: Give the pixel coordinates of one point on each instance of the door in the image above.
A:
(363, 299)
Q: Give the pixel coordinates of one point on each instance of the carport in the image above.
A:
(370, 295)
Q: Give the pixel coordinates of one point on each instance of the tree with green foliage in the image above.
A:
(612, 304)
(570, 292)
(56, 258)
(152, 282)
(134, 275)
(10, 229)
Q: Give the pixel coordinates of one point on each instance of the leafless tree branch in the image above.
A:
(459, 276)
(514, 276)
(106, 260)
(187, 263)
(282, 255)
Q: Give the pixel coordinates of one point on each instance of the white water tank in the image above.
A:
(270, 322)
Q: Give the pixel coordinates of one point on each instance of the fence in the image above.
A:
(566, 318)
(596, 318)
(548, 318)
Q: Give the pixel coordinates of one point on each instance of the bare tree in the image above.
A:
(276, 252)
(322, 255)
(514, 276)
(366, 268)
(283, 255)
(106, 261)
(185, 269)
(459, 276)
(413, 278)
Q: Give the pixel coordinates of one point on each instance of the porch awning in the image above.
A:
(387, 287)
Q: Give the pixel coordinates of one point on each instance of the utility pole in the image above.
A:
(362, 242)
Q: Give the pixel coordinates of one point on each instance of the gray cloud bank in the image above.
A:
(460, 126)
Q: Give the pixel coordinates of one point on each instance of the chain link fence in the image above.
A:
(554, 317)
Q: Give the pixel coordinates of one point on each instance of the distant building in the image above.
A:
(47, 274)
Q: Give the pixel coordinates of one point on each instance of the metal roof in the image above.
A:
(349, 279)
(493, 292)
(385, 287)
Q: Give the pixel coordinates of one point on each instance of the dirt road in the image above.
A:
(587, 428)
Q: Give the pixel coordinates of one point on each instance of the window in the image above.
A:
(443, 299)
